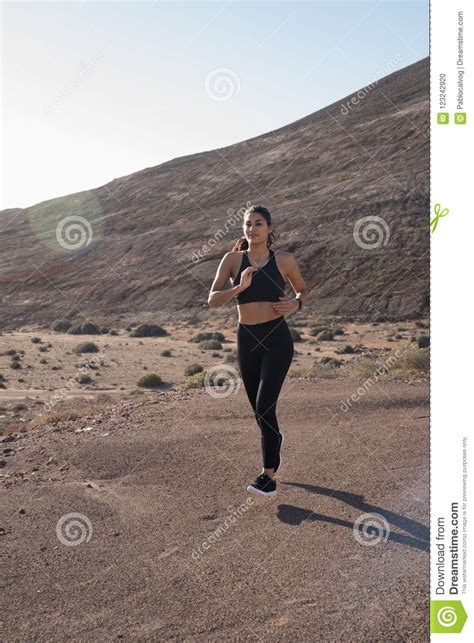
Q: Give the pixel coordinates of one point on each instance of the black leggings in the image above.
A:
(264, 354)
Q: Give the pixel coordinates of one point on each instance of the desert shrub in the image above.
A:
(325, 368)
(112, 331)
(43, 360)
(87, 328)
(86, 347)
(332, 361)
(297, 371)
(192, 369)
(415, 360)
(62, 326)
(11, 352)
(423, 341)
(42, 349)
(201, 337)
(325, 336)
(210, 345)
(148, 330)
(149, 380)
(36, 340)
(346, 350)
(338, 331)
(315, 330)
(15, 364)
(165, 353)
(83, 378)
(405, 364)
(196, 381)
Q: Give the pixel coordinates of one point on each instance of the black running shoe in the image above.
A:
(264, 485)
(281, 458)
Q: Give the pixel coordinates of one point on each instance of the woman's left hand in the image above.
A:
(287, 306)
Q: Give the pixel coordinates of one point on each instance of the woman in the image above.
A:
(264, 341)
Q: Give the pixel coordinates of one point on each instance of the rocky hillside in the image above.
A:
(147, 245)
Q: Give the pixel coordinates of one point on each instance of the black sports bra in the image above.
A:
(267, 284)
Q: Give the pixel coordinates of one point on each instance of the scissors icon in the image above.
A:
(439, 213)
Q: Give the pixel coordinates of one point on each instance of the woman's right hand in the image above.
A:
(246, 278)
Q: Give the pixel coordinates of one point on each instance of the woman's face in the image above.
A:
(256, 228)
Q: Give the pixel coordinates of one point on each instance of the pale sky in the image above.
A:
(92, 91)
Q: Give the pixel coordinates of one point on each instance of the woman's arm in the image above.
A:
(288, 306)
(296, 280)
(217, 295)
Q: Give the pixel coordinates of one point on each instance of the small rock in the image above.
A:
(22, 511)
(8, 451)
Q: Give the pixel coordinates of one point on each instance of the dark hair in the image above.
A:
(242, 243)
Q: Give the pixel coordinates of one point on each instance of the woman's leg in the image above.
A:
(249, 358)
(274, 367)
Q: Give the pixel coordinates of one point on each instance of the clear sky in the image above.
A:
(92, 91)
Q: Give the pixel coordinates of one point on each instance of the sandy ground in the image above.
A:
(170, 546)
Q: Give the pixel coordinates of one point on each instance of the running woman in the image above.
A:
(264, 342)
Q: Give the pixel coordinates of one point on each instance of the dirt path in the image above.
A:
(172, 547)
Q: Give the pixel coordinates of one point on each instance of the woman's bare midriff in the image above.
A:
(257, 312)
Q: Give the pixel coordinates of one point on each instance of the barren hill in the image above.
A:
(147, 245)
